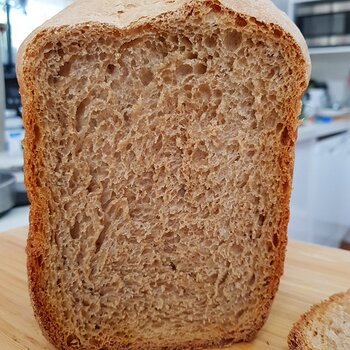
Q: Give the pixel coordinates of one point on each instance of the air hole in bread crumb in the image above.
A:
(102, 56)
(266, 281)
(240, 313)
(120, 12)
(101, 238)
(60, 52)
(261, 219)
(74, 231)
(269, 247)
(200, 68)
(204, 89)
(259, 23)
(39, 260)
(277, 33)
(159, 144)
(186, 42)
(236, 249)
(232, 40)
(174, 39)
(37, 133)
(279, 127)
(210, 41)
(218, 93)
(285, 137)
(252, 280)
(146, 76)
(131, 43)
(234, 146)
(72, 340)
(52, 80)
(216, 8)
(243, 181)
(285, 187)
(273, 97)
(199, 155)
(275, 240)
(222, 120)
(65, 69)
(213, 278)
(183, 70)
(240, 21)
(80, 114)
(111, 68)
(191, 55)
(173, 266)
(251, 153)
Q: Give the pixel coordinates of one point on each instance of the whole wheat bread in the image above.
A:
(326, 326)
(158, 160)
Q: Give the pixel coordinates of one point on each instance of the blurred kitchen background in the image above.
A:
(320, 206)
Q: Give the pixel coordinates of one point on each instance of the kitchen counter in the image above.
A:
(312, 273)
(314, 130)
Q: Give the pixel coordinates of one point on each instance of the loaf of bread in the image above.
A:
(158, 160)
(326, 326)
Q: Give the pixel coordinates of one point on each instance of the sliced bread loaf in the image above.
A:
(325, 327)
(158, 159)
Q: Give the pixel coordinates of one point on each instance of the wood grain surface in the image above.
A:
(312, 273)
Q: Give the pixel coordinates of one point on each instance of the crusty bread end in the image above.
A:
(326, 326)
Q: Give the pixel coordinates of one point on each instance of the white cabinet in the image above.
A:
(330, 176)
(320, 203)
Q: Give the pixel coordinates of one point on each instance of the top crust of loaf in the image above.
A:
(298, 338)
(127, 14)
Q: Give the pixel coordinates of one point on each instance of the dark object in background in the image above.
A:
(21, 197)
(345, 244)
(7, 192)
(324, 23)
(13, 100)
(317, 84)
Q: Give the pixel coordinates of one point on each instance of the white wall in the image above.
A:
(38, 11)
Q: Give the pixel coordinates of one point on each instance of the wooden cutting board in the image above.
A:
(312, 273)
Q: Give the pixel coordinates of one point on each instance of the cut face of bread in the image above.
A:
(159, 154)
(325, 327)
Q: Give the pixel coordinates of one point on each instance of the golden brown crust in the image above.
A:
(133, 15)
(82, 12)
(297, 339)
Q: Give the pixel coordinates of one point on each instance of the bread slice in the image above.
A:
(325, 327)
(158, 158)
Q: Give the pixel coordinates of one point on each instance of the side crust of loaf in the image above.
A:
(297, 338)
(37, 245)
